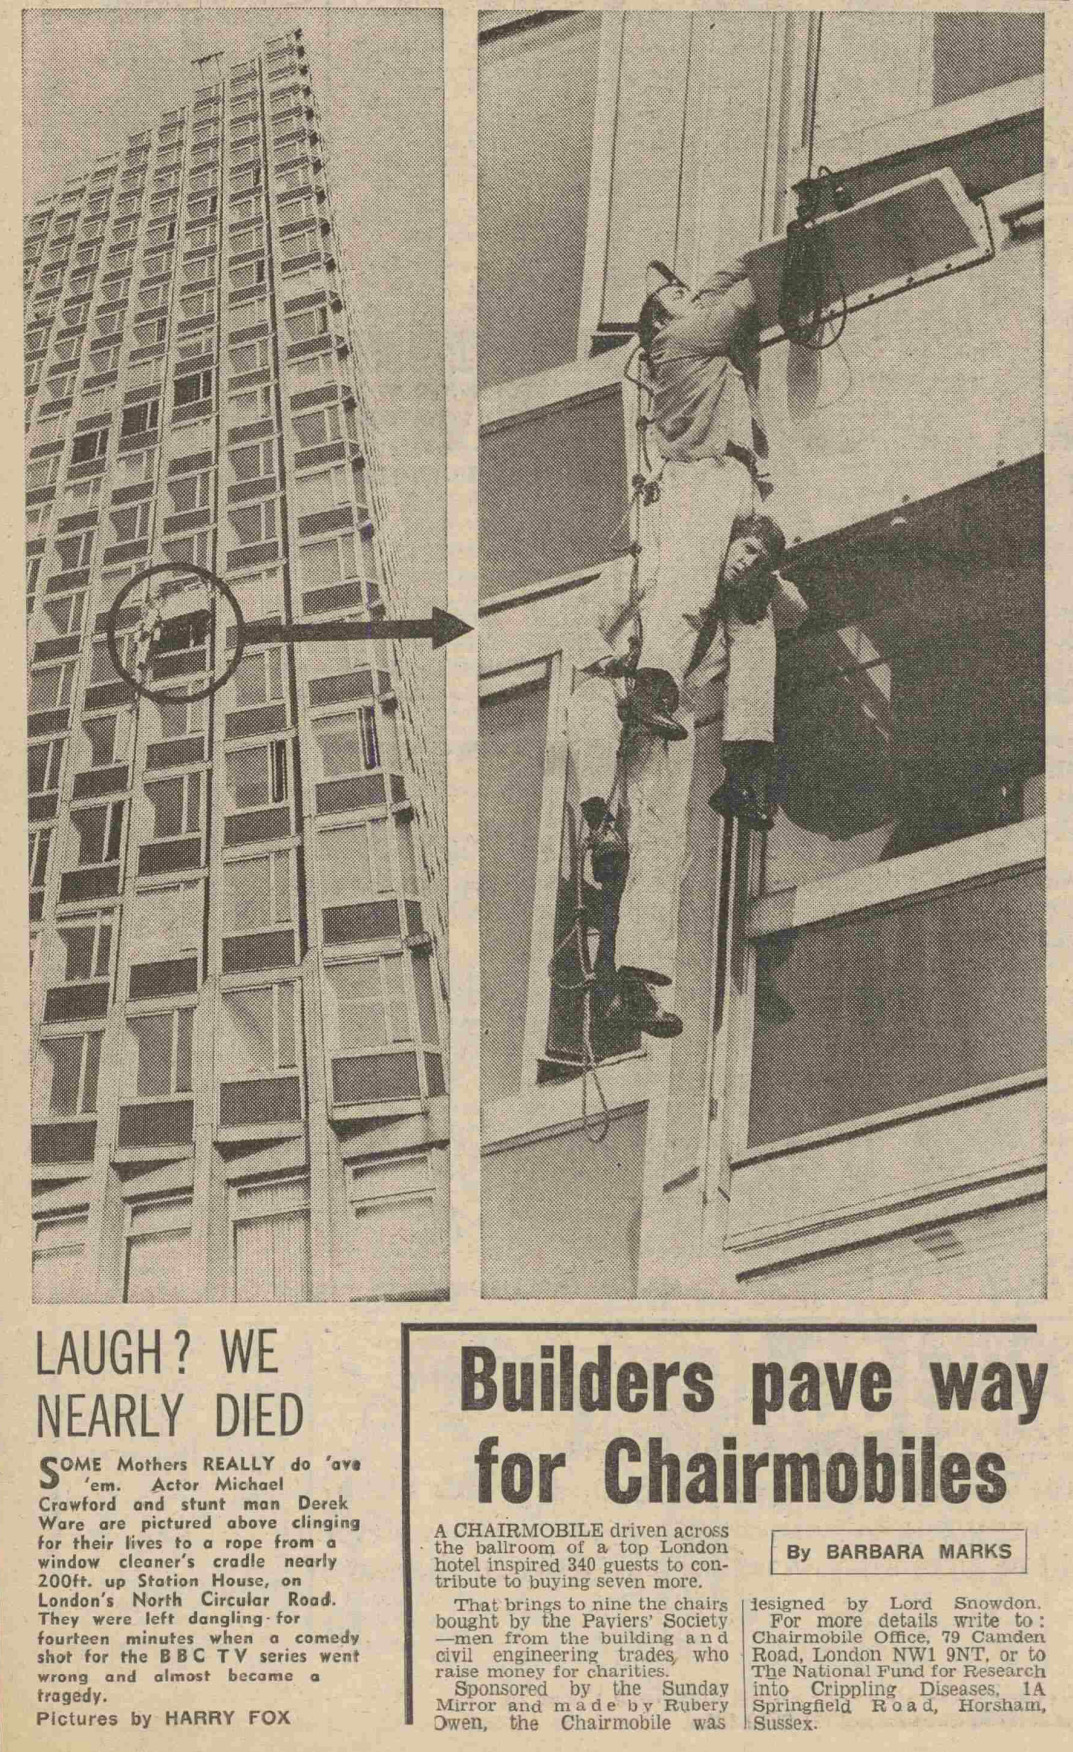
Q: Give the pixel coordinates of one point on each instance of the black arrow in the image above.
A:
(440, 627)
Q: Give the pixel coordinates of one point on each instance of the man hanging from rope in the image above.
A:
(700, 596)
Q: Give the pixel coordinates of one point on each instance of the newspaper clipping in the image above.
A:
(544, 678)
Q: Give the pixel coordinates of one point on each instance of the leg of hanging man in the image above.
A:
(749, 704)
(593, 727)
(697, 507)
(658, 776)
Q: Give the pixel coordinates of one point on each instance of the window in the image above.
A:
(33, 375)
(59, 1245)
(320, 368)
(202, 180)
(67, 350)
(535, 84)
(137, 466)
(160, 1054)
(40, 841)
(89, 445)
(126, 204)
(323, 491)
(917, 63)
(328, 562)
(195, 387)
(82, 496)
(179, 718)
(66, 1075)
(98, 834)
(246, 405)
(258, 680)
(258, 1034)
(85, 948)
(367, 1003)
(289, 214)
(400, 1243)
(260, 593)
(63, 614)
(245, 207)
(250, 356)
(105, 740)
(193, 548)
(292, 179)
(249, 274)
(256, 894)
(93, 228)
(255, 778)
(122, 256)
(272, 1242)
(198, 303)
(253, 461)
(254, 523)
(249, 177)
(308, 324)
(124, 229)
(147, 334)
(47, 431)
(347, 743)
(131, 522)
(356, 861)
(145, 373)
(61, 385)
(44, 760)
(160, 263)
(243, 241)
(323, 426)
(200, 236)
(38, 518)
(152, 297)
(42, 473)
(74, 551)
(142, 417)
(175, 805)
(203, 207)
(104, 359)
(109, 324)
(159, 1266)
(190, 492)
(166, 922)
(97, 401)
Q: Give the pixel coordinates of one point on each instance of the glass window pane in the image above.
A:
(166, 802)
(340, 742)
(152, 1038)
(247, 775)
(247, 899)
(537, 85)
(426, 1008)
(65, 1058)
(249, 1043)
(344, 866)
(287, 1057)
(359, 1006)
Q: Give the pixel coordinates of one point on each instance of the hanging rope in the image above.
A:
(596, 1127)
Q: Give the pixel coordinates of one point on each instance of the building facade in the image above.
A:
(238, 904)
(856, 1105)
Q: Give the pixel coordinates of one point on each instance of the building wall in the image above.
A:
(908, 479)
(238, 905)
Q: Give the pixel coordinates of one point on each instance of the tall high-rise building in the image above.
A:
(238, 902)
(856, 1104)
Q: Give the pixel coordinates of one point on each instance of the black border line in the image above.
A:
(409, 1326)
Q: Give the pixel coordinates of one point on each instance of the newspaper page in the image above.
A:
(529, 1208)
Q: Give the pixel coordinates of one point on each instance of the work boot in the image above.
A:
(651, 705)
(744, 794)
(634, 1005)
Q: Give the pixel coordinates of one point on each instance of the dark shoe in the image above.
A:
(610, 856)
(738, 801)
(635, 1007)
(651, 705)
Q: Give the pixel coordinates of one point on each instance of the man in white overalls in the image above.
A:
(706, 580)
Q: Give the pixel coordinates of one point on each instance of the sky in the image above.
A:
(90, 77)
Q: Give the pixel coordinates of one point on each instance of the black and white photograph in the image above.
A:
(762, 654)
(236, 591)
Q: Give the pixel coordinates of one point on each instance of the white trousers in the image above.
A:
(685, 541)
